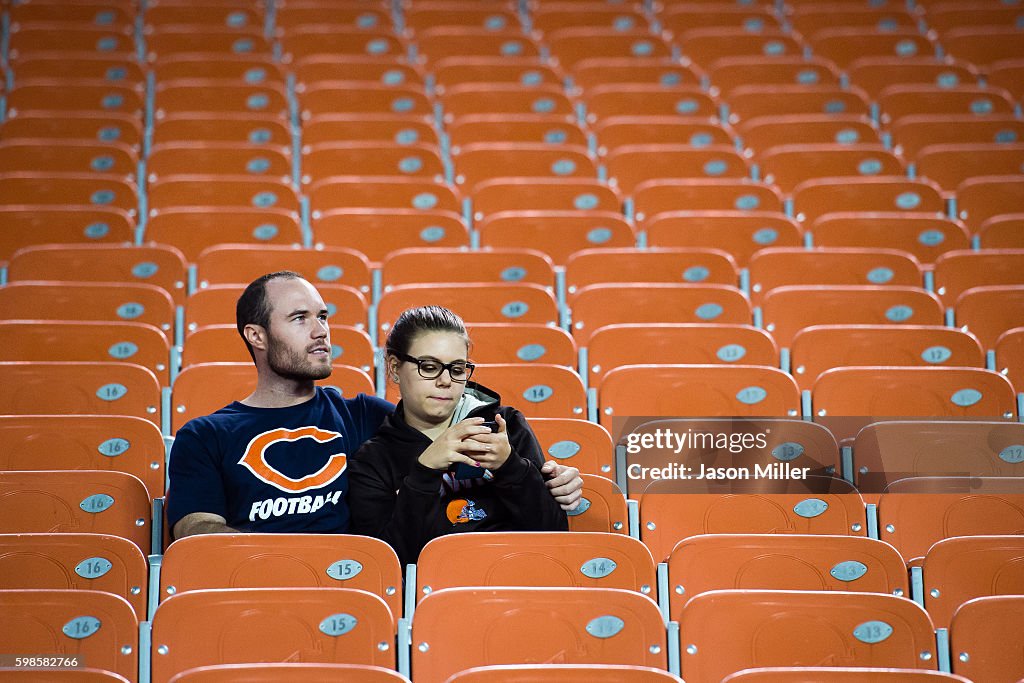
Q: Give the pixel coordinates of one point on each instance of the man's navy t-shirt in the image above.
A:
(272, 469)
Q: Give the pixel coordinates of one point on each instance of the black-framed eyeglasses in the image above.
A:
(430, 368)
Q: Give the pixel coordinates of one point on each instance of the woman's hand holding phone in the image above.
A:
(456, 445)
(492, 448)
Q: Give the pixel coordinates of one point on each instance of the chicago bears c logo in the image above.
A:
(255, 459)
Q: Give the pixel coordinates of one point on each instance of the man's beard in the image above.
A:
(293, 365)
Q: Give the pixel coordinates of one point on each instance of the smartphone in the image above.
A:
(464, 471)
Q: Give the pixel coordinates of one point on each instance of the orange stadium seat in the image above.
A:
(763, 132)
(679, 17)
(915, 132)
(35, 37)
(612, 346)
(212, 96)
(619, 131)
(875, 74)
(563, 673)
(634, 636)
(984, 46)
(193, 229)
(370, 159)
(605, 101)
(98, 14)
(543, 194)
(474, 99)
(972, 634)
(486, 161)
(348, 192)
(320, 624)
(170, 159)
(555, 559)
(595, 306)
(431, 15)
(898, 102)
(435, 44)
(63, 190)
(109, 129)
(76, 96)
(789, 309)
(729, 73)
(571, 46)
(1002, 232)
(808, 19)
(594, 71)
(705, 46)
(823, 347)
(725, 631)
(630, 165)
(533, 129)
(256, 130)
(950, 165)
(925, 236)
(741, 234)
(122, 69)
(227, 69)
(981, 198)
(402, 129)
(602, 507)
(537, 389)
(75, 561)
(693, 266)
(283, 561)
(289, 673)
(558, 234)
(215, 305)
(549, 18)
(585, 445)
(192, 38)
(522, 343)
(943, 16)
(789, 165)
(988, 312)
(509, 70)
(793, 562)
(818, 197)
(363, 15)
(1007, 74)
(300, 43)
(1010, 356)
(748, 102)
(221, 344)
(383, 69)
(98, 628)
(840, 674)
(168, 14)
(75, 501)
(198, 190)
(844, 45)
(958, 271)
(417, 266)
(241, 264)
(654, 197)
(376, 233)
(353, 97)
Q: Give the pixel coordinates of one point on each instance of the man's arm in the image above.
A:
(564, 483)
(196, 523)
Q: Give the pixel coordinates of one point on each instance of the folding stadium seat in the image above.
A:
(522, 343)
(180, 39)
(70, 156)
(506, 99)
(198, 190)
(730, 73)
(65, 126)
(771, 268)
(68, 38)
(913, 392)
(498, 18)
(206, 387)
(630, 165)
(215, 305)
(823, 347)
(696, 391)
(618, 131)
(654, 197)
(899, 101)
(75, 561)
(349, 192)
(56, 190)
(809, 20)
(84, 442)
(815, 198)
(564, 673)
(769, 131)
(256, 130)
(94, 67)
(747, 102)
(78, 501)
(506, 70)
(913, 133)
(988, 312)
(371, 159)
(315, 624)
(741, 234)
(925, 236)
(554, 17)
(571, 46)
(172, 159)
(875, 74)
(705, 46)
(401, 129)
(537, 390)
(917, 512)
(365, 16)
(792, 562)
(346, 97)
(283, 561)
(375, 233)
(162, 14)
(960, 569)
(789, 309)
(678, 18)
(595, 71)
(1007, 74)
(944, 16)
(595, 306)
(984, 197)
(221, 344)
(98, 14)
(1009, 350)
(885, 452)
(488, 161)
(226, 69)
(192, 230)
(512, 617)
(602, 507)
(383, 70)
(1002, 232)
(845, 45)
(323, 40)
(984, 46)
(290, 673)
(235, 264)
(840, 674)
(435, 44)
(76, 96)
(673, 510)
(543, 194)
(693, 266)
(585, 445)
(419, 266)
(974, 635)
(951, 165)
(129, 342)
(81, 675)
(558, 234)
(212, 96)
(605, 101)
(613, 346)
(95, 301)
(726, 631)
(958, 271)
(97, 628)
(789, 165)
(541, 559)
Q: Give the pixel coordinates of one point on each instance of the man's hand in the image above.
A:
(564, 483)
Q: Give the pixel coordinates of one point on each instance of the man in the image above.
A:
(276, 461)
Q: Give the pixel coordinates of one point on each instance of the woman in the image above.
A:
(435, 467)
